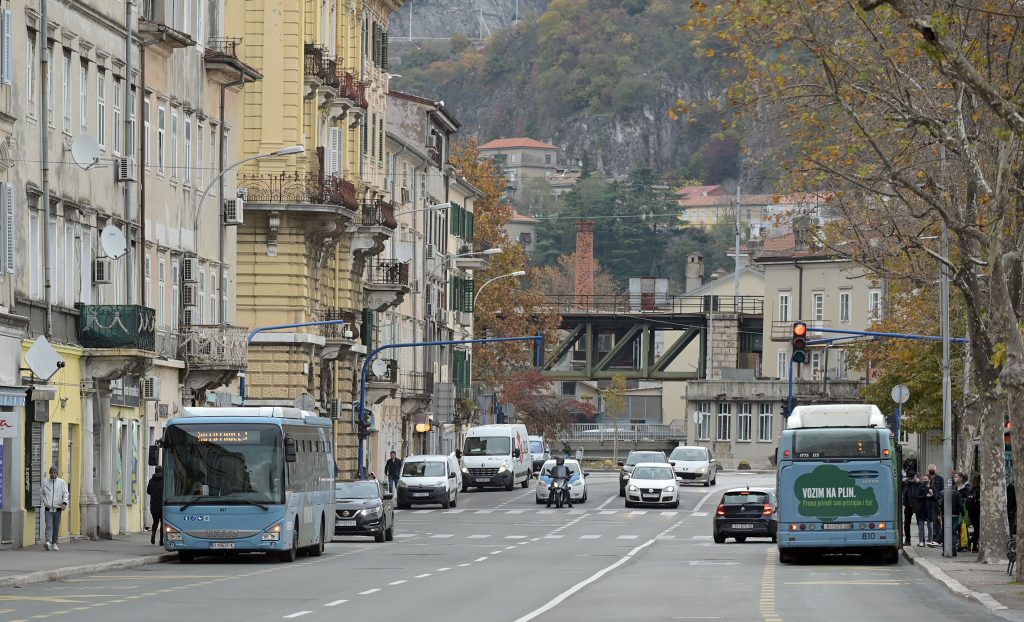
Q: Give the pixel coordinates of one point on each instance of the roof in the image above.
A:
(516, 143)
(523, 218)
(700, 191)
(780, 243)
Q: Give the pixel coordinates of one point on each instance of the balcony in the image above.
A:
(386, 284)
(377, 225)
(313, 68)
(381, 380)
(417, 390)
(339, 338)
(214, 354)
(379, 213)
(222, 63)
(121, 339)
(298, 188)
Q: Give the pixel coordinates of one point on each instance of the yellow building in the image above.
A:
(314, 221)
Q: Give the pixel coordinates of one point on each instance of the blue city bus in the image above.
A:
(838, 483)
(257, 479)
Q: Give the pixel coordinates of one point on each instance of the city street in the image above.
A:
(499, 556)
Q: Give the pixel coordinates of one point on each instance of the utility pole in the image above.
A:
(947, 393)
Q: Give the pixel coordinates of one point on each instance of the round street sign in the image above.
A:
(900, 394)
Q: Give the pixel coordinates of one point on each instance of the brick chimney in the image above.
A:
(584, 261)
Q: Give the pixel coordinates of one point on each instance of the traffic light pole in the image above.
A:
(538, 361)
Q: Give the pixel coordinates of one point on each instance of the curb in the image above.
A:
(955, 587)
(40, 576)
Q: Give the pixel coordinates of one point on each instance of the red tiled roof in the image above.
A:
(516, 143)
(780, 243)
(523, 218)
(690, 192)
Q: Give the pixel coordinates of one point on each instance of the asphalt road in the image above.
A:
(500, 557)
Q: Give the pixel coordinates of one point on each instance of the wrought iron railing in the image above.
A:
(299, 188)
(222, 48)
(214, 345)
(379, 212)
(117, 326)
(388, 272)
(313, 59)
(337, 331)
(625, 303)
(418, 383)
(350, 88)
(389, 373)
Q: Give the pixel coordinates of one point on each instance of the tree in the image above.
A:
(615, 397)
(560, 279)
(906, 113)
(536, 405)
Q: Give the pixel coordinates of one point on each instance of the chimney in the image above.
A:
(694, 271)
(584, 281)
(801, 230)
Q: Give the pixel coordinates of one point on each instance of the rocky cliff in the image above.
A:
(428, 20)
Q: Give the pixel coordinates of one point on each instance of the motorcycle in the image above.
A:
(559, 491)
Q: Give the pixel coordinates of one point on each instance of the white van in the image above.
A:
(496, 455)
(540, 451)
(428, 479)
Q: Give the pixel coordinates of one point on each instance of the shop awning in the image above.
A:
(12, 396)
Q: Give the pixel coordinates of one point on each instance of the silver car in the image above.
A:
(695, 464)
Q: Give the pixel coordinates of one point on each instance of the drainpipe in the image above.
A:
(127, 152)
(799, 294)
(221, 277)
(44, 125)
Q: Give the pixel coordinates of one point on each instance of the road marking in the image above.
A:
(662, 536)
(627, 537)
(405, 535)
(399, 582)
(443, 535)
(495, 552)
(459, 511)
(514, 511)
(369, 591)
(704, 500)
(768, 612)
(485, 511)
(515, 537)
(610, 499)
(423, 511)
(553, 536)
(589, 536)
(608, 512)
(638, 512)
(554, 602)
(335, 603)
(509, 548)
(698, 514)
(425, 574)
(443, 569)
(480, 559)
(479, 536)
(850, 582)
(700, 537)
(546, 511)
(464, 565)
(296, 614)
(575, 511)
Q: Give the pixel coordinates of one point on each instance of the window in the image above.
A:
(49, 86)
(783, 365)
(547, 158)
(83, 95)
(66, 100)
(30, 73)
(145, 131)
(202, 294)
(874, 304)
(764, 422)
(69, 268)
(815, 363)
(213, 295)
(85, 266)
(783, 306)
(186, 25)
(7, 49)
(743, 422)
(101, 108)
(569, 389)
(161, 271)
(841, 364)
(149, 278)
(818, 306)
(844, 307)
(703, 416)
(380, 140)
(161, 123)
(132, 127)
(723, 428)
(199, 155)
(35, 240)
(174, 143)
(175, 297)
(213, 149)
(200, 22)
(117, 116)
(224, 293)
(373, 136)
(188, 150)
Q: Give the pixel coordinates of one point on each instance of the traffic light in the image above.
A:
(799, 342)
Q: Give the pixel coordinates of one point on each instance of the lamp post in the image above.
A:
(202, 196)
(501, 276)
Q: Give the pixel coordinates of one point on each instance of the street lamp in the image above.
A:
(488, 282)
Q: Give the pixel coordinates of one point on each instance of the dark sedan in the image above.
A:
(744, 513)
(364, 508)
(634, 458)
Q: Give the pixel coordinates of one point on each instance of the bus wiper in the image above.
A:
(194, 501)
(256, 503)
(189, 504)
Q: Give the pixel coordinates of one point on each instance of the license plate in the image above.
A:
(345, 523)
(483, 479)
(743, 525)
(421, 494)
(222, 545)
(836, 526)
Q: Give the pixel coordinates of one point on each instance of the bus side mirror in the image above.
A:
(154, 455)
(289, 449)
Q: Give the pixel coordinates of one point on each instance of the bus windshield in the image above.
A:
(487, 446)
(213, 463)
(835, 443)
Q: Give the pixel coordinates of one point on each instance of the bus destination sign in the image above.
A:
(223, 437)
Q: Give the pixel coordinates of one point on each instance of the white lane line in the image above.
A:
(589, 536)
(458, 511)
(296, 614)
(663, 536)
(575, 511)
(423, 511)
(668, 513)
(638, 512)
(700, 537)
(698, 514)
(464, 565)
(442, 570)
(554, 602)
(485, 511)
(335, 603)
(405, 535)
(509, 548)
(496, 552)
(514, 511)
(443, 535)
(515, 537)
(553, 536)
(479, 536)
(399, 582)
(545, 511)
(704, 500)
(480, 559)
(370, 591)
(420, 576)
(627, 537)
(610, 499)
(607, 512)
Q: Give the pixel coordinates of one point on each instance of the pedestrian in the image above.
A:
(55, 498)
(910, 464)
(921, 508)
(1011, 507)
(908, 493)
(935, 487)
(393, 471)
(155, 490)
(973, 504)
(957, 512)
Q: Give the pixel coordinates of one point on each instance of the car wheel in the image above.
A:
(629, 503)
(186, 557)
(318, 549)
(389, 535)
(741, 539)
(584, 499)
(775, 538)
(707, 483)
(511, 483)
(714, 479)
(465, 486)
(446, 503)
(293, 551)
(719, 538)
(526, 482)
(379, 536)
(455, 500)
(676, 504)
(539, 500)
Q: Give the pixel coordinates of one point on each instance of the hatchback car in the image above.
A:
(652, 483)
(634, 458)
(428, 479)
(694, 464)
(743, 513)
(577, 482)
(363, 508)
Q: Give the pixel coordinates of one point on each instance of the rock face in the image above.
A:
(476, 19)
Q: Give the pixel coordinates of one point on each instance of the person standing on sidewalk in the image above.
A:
(393, 470)
(155, 490)
(910, 488)
(973, 503)
(935, 486)
(55, 498)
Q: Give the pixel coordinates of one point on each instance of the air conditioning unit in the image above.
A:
(465, 319)
(150, 388)
(102, 270)
(190, 269)
(233, 211)
(414, 285)
(190, 295)
(406, 195)
(430, 251)
(125, 169)
(188, 317)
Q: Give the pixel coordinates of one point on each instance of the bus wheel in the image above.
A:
(291, 553)
(186, 557)
(318, 549)
(786, 556)
(892, 556)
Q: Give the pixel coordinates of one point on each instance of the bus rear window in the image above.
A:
(837, 443)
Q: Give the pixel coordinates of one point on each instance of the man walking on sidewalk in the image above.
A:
(155, 490)
(393, 471)
(55, 498)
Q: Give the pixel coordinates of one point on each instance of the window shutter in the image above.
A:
(11, 231)
(468, 283)
(376, 44)
(367, 329)
(456, 290)
(469, 227)
(384, 50)
(333, 152)
(7, 70)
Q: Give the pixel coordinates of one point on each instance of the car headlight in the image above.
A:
(273, 534)
(171, 533)
(372, 512)
(670, 489)
(633, 488)
(504, 467)
(625, 475)
(465, 470)
(700, 471)
(402, 484)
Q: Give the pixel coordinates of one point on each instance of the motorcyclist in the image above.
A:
(562, 472)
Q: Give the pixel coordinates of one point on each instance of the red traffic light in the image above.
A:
(799, 329)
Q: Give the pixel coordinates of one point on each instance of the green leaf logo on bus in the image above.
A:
(828, 493)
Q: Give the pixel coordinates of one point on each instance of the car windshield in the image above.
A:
(536, 447)
(356, 490)
(653, 473)
(646, 456)
(487, 446)
(550, 464)
(423, 469)
(744, 497)
(692, 454)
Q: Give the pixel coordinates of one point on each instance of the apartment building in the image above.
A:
(521, 160)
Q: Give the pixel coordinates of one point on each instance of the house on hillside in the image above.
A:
(761, 215)
(521, 159)
(522, 230)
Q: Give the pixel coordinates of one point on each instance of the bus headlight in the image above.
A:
(273, 534)
(172, 534)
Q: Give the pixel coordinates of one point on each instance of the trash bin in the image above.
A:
(579, 454)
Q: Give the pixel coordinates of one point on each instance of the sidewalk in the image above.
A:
(78, 557)
(987, 584)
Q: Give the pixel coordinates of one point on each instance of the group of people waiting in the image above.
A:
(923, 498)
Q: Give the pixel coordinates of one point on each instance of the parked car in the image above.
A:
(364, 508)
(428, 479)
(577, 483)
(540, 451)
(743, 513)
(634, 458)
(652, 483)
(693, 463)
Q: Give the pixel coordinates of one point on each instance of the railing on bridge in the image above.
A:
(668, 305)
(627, 432)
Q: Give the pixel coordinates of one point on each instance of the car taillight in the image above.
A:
(721, 509)
(767, 509)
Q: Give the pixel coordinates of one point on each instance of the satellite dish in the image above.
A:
(112, 242)
(304, 401)
(85, 151)
(42, 359)
(403, 252)
(379, 367)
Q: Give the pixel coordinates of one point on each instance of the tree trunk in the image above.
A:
(994, 528)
